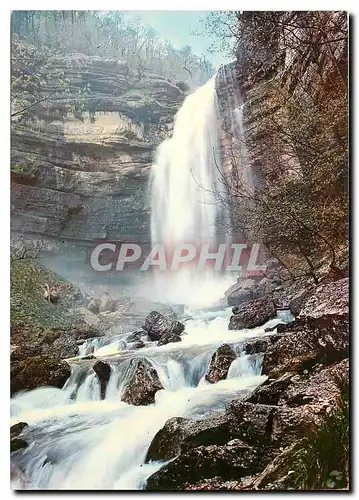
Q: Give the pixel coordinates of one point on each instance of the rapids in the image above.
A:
(78, 441)
(81, 442)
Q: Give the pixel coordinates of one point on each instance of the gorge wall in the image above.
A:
(83, 178)
(283, 104)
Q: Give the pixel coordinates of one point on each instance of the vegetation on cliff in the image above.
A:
(292, 72)
(111, 34)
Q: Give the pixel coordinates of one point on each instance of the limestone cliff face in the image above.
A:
(261, 132)
(246, 88)
(85, 178)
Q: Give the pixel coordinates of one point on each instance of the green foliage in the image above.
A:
(110, 34)
(28, 306)
(37, 84)
(296, 140)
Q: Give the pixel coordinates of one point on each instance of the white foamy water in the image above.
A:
(81, 442)
(187, 187)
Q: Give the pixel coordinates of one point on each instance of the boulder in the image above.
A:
(298, 300)
(307, 401)
(271, 390)
(277, 475)
(135, 345)
(265, 287)
(23, 351)
(240, 296)
(17, 442)
(253, 314)
(142, 385)
(234, 459)
(290, 407)
(241, 292)
(38, 371)
(180, 434)
(16, 429)
(212, 484)
(251, 422)
(320, 334)
(259, 344)
(103, 371)
(322, 340)
(328, 300)
(65, 346)
(93, 306)
(157, 324)
(106, 303)
(136, 336)
(169, 337)
(220, 363)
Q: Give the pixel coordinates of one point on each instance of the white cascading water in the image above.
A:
(188, 194)
(78, 441)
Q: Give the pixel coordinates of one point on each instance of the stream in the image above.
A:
(81, 442)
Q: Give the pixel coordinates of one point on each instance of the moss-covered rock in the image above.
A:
(38, 371)
(28, 305)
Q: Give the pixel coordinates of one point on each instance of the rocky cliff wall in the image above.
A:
(84, 178)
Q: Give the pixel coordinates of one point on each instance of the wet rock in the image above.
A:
(257, 345)
(220, 363)
(16, 429)
(251, 422)
(253, 314)
(38, 371)
(106, 303)
(143, 384)
(285, 327)
(270, 329)
(157, 324)
(136, 336)
(322, 340)
(271, 391)
(139, 344)
(103, 371)
(169, 337)
(180, 434)
(17, 442)
(93, 306)
(86, 332)
(234, 459)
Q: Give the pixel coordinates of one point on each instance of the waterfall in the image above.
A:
(188, 194)
(77, 440)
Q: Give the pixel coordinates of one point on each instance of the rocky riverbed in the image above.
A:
(210, 401)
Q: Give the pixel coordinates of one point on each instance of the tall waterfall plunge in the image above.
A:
(188, 195)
